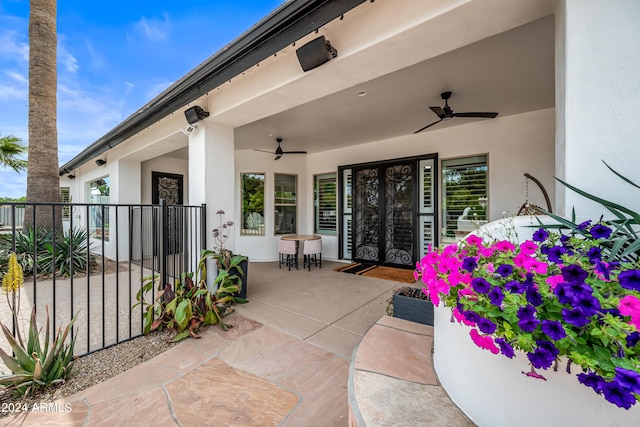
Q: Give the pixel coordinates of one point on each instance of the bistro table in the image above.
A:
(300, 237)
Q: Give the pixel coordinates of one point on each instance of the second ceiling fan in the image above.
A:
(446, 113)
(279, 151)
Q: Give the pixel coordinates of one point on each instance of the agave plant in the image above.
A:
(623, 244)
(36, 365)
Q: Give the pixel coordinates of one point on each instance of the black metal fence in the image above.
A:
(95, 267)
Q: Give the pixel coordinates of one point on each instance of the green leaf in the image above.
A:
(183, 314)
(182, 335)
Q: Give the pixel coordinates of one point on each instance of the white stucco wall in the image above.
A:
(514, 144)
(598, 99)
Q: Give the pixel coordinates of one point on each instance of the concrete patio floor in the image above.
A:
(285, 362)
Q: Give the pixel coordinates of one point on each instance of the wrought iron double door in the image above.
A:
(384, 213)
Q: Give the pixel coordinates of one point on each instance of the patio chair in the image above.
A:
(288, 253)
(312, 251)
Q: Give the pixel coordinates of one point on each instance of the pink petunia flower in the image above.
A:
(528, 247)
(484, 341)
(554, 281)
(630, 306)
(474, 240)
(504, 246)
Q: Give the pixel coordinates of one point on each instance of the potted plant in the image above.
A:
(571, 297)
(412, 304)
(237, 266)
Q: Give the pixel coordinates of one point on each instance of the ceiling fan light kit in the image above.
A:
(446, 113)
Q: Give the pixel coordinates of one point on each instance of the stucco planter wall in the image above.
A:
(492, 391)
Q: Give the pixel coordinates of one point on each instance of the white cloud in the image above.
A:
(130, 87)
(15, 87)
(157, 88)
(68, 61)
(156, 29)
(12, 47)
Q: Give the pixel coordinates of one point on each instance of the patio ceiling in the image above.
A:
(511, 73)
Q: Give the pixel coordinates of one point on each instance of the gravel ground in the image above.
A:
(99, 366)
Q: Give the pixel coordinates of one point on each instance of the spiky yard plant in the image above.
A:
(32, 365)
(36, 365)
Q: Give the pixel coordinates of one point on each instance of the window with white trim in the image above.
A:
(285, 204)
(324, 201)
(464, 196)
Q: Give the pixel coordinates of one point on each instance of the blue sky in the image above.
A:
(113, 57)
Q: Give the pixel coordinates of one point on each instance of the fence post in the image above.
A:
(164, 243)
(203, 227)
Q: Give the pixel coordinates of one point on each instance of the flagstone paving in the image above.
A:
(286, 362)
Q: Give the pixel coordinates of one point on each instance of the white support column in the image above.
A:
(597, 102)
(125, 188)
(212, 174)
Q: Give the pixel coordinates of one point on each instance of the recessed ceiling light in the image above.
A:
(361, 93)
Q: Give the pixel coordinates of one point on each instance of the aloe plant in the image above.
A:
(624, 243)
(37, 365)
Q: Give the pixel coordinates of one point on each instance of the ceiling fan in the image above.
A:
(279, 152)
(446, 113)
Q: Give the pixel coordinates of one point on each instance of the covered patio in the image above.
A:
(285, 362)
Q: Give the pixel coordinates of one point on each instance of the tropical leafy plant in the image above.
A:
(189, 305)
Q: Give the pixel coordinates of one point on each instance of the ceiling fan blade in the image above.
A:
(294, 152)
(278, 157)
(420, 130)
(439, 112)
(263, 151)
(481, 115)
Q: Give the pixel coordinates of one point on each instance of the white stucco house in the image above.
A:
(563, 76)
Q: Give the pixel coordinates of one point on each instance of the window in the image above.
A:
(65, 197)
(252, 191)
(285, 196)
(464, 196)
(99, 214)
(324, 191)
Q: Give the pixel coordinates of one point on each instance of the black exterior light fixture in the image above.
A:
(101, 162)
(71, 176)
(315, 53)
(195, 114)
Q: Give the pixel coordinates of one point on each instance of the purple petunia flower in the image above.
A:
(505, 348)
(528, 280)
(632, 339)
(504, 270)
(514, 287)
(496, 296)
(564, 293)
(528, 325)
(587, 303)
(592, 380)
(615, 393)
(594, 254)
(486, 326)
(575, 317)
(628, 379)
(471, 316)
(553, 329)
(600, 231)
(526, 312)
(469, 264)
(574, 274)
(554, 253)
(584, 225)
(540, 358)
(533, 296)
(480, 285)
(548, 346)
(630, 279)
(540, 235)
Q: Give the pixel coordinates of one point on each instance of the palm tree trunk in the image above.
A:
(43, 181)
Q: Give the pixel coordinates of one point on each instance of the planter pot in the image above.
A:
(244, 267)
(414, 309)
(492, 391)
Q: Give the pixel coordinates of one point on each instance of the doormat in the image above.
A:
(378, 272)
